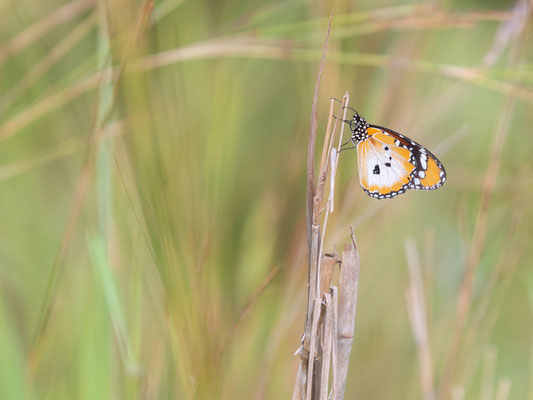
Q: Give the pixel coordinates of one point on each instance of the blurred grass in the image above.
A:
(198, 192)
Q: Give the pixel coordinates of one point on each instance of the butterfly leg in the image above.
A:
(348, 148)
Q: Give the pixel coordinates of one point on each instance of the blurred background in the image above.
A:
(152, 195)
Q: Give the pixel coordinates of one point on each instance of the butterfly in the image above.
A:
(390, 163)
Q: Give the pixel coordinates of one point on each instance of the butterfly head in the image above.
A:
(358, 126)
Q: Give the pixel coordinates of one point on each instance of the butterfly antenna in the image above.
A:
(350, 108)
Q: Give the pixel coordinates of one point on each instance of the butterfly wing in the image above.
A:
(390, 163)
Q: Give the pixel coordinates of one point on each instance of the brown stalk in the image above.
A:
(328, 263)
(334, 361)
(307, 350)
(315, 354)
(311, 188)
(349, 282)
(327, 339)
(317, 306)
(326, 330)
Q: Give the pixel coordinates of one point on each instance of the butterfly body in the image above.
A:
(391, 163)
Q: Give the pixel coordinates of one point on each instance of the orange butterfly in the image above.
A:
(390, 163)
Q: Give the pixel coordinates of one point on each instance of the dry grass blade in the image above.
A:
(308, 349)
(311, 188)
(312, 280)
(297, 394)
(349, 282)
(322, 179)
(416, 307)
(328, 267)
(317, 306)
(327, 338)
(334, 363)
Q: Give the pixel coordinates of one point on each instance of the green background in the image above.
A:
(143, 208)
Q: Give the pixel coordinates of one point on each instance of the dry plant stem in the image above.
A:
(328, 263)
(349, 282)
(332, 190)
(327, 337)
(316, 276)
(307, 350)
(298, 386)
(416, 307)
(311, 205)
(313, 278)
(335, 298)
(325, 149)
(312, 352)
(328, 145)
